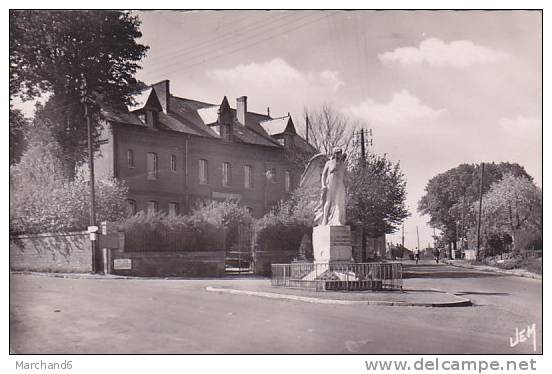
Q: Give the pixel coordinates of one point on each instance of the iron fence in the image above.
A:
(348, 276)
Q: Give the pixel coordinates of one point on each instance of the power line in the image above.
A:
(244, 46)
(216, 39)
(223, 46)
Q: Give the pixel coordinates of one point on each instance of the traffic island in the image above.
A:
(406, 297)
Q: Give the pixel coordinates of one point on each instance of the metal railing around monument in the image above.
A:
(349, 276)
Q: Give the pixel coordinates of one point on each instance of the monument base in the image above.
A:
(332, 244)
(334, 268)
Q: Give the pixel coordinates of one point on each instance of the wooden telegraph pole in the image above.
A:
(307, 125)
(418, 237)
(362, 146)
(92, 209)
(479, 214)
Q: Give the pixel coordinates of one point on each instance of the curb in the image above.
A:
(314, 300)
(497, 270)
(131, 277)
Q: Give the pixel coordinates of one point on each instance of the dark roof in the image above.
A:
(183, 117)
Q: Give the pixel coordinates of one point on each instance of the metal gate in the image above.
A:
(239, 250)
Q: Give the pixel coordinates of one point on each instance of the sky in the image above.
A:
(437, 88)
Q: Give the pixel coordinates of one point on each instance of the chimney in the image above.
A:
(241, 109)
(162, 90)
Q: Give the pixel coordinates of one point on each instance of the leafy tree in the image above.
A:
(73, 55)
(512, 205)
(17, 134)
(449, 196)
(376, 195)
(42, 198)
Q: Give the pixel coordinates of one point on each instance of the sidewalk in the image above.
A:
(407, 297)
(516, 272)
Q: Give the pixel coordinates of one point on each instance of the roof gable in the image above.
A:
(146, 99)
(278, 126)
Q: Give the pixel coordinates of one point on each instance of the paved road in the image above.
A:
(56, 315)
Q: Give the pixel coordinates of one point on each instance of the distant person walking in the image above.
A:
(417, 255)
(436, 255)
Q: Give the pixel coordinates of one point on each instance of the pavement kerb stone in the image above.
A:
(273, 295)
(115, 277)
(524, 274)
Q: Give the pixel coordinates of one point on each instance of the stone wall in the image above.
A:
(51, 252)
(166, 264)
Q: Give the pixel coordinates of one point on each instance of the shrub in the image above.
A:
(159, 232)
(277, 231)
(207, 228)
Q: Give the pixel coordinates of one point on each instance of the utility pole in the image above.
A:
(402, 238)
(418, 237)
(463, 231)
(85, 97)
(362, 145)
(92, 210)
(307, 125)
(480, 204)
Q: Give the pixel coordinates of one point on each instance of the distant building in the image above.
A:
(174, 152)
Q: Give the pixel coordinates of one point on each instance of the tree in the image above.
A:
(376, 195)
(329, 129)
(18, 122)
(449, 196)
(72, 55)
(43, 198)
(512, 205)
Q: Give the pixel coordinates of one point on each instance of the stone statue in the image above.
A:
(329, 175)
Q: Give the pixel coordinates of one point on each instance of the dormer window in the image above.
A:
(149, 117)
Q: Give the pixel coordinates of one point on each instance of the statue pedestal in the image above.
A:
(332, 244)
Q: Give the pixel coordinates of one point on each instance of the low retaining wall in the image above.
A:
(51, 252)
(265, 259)
(165, 264)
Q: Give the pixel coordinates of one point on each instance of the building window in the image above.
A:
(288, 181)
(131, 207)
(152, 207)
(248, 176)
(271, 175)
(249, 210)
(282, 142)
(226, 174)
(173, 163)
(203, 172)
(173, 209)
(152, 165)
(130, 158)
(142, 117)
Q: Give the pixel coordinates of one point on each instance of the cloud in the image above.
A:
(437, 53)
(402, 108)
(276, 74)
(276, 83)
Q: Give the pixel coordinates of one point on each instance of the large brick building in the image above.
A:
(175, 152)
